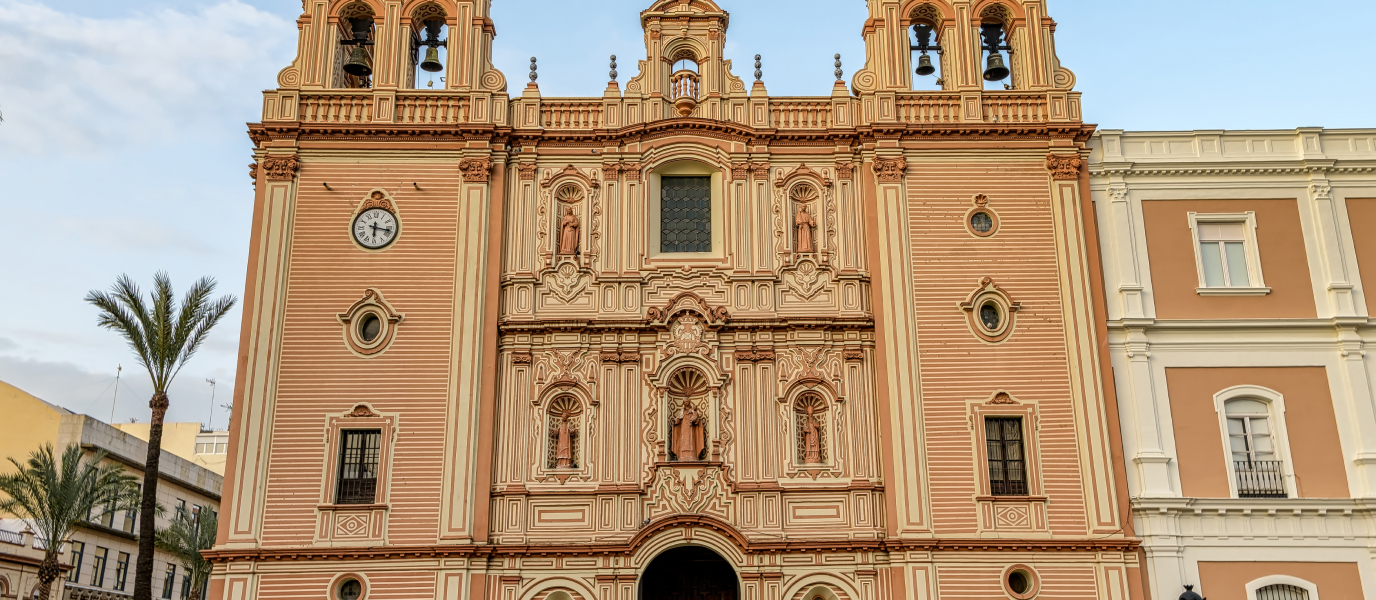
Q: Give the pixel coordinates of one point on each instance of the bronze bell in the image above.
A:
(357, 65)
(924, 65)
(995, 71)
(432, 60)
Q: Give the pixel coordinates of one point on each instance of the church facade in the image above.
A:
(679, 340)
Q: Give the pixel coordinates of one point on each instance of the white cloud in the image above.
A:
(83, 391)
(82, 84)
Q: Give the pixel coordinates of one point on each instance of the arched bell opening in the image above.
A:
(689, 573)
(924, 40)
(996, 48)
(354, 57)
(429, 48)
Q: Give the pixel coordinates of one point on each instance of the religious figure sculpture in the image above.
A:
(687, 434)
(563, 449)
(812, 440)
(805, 224)
(568, 233)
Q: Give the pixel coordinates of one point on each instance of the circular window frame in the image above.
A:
(990, 293)
(993, 218)
(1033, 579)
(351, 321)
(338, 582)
(981, 205)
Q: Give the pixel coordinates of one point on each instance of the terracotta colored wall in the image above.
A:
(1174, 276)
(1228, 580)
(1314, 447)
(320, 377)
(947, 265)
(1361, 214)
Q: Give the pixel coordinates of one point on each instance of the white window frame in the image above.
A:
(1257, 285)
(1275, 404)
(1256, 584)
(687, 166)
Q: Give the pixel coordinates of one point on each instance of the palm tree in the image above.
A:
(185, 537)
(53, 497)
(163, 337)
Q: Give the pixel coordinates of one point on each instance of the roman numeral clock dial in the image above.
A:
(375, 228)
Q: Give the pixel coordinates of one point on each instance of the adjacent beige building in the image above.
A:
(1239, 330)
(98, 560)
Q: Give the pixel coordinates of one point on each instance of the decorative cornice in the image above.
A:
(623, 357)
(754, 355)
(1196, 169)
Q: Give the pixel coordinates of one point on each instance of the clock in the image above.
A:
(375, 228)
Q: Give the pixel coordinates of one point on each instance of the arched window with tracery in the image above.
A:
(355, 48)
(564, 424)
(688, 411)
(810, 429)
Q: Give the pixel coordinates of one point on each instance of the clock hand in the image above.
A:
(374, 229)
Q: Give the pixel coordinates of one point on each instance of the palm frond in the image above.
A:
(53, 496)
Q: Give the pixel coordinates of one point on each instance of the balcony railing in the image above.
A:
(431, 108)
(1014, 108)
(1260, 479)
(12, 537)
(929, 108)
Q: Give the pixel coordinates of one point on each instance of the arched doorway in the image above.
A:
(689, 573)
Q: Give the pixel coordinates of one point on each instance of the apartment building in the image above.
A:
(98, 560)
(1239, 329)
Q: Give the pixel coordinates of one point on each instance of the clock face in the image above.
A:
(375, 228)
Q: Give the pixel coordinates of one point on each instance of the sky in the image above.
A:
(123, 146)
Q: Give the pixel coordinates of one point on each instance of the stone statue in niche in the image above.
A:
(805, 224)
(812, 439)
(688, 435)
(568, 233)
(563, 454)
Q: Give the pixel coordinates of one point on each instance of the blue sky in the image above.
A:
(123, 146)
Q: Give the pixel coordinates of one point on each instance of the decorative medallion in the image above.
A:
(476, 170)
(686, 337)
(890, 170)
(281, 168)
(1064, 168)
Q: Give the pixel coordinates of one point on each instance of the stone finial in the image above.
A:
(838, 67)
(758, 73)
(533, 74)
(613, 72)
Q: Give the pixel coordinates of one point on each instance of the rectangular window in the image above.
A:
(359, 450)
(130, 517)
(78, 551)
(98, 566)
(107, 516)
(685, 214)
(1223, 254)
(169, 581)
(181, 507)
(186, 586)
(121, 570)
(1007, 465)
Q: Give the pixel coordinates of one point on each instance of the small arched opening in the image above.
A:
(689, 573)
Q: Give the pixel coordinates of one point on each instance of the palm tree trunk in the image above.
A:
(48, 571)
(143, 574)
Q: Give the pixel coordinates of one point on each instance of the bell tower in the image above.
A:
(369, 50)
(684, 72)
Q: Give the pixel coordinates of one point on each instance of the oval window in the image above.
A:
(1019, 583)
(350, 589)
(989, 316)
(369, 328)
(981, 222)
